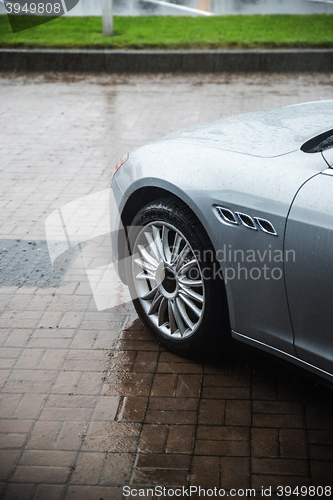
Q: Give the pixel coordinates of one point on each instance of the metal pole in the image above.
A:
(107, 10)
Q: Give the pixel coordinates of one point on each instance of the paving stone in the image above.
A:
(66, 382)
(279, 407)
(211, 412)
(223, 433)
(180, 439)
(8, 404)
(153, 438)
(235, 471)
(106, 408)
(27, 263)
(238, 413)
(21, 491)
(319, 436)
(279, 466)
(30, 406)
(170, 417)
(176, 404)
(227, 448)
(293, 443)
(205, 471)
(112, 436)
(89, 492)
(133, 409)
(40, 474)
(158, 477)
(44, 435)
(264, 442)
(71, 435)
(47, 458)
(318, 416)
(163, 461)
(51, 492)
(226, 381)
(164, 385)
(277, 420)
(11, 440)
(275, 480)
(16, 426)
(88, 468)
(321, 473)
(18, 338)
(226, 392)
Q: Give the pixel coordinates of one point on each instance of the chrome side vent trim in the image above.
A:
(247, 221)
(227, 215)
(265, 226)
(239, 218)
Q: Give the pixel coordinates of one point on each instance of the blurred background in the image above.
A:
(146, 7)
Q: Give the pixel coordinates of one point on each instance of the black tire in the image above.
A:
(174, 281)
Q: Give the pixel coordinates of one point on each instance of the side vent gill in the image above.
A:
(266, 226)
(247, 221)
(238, 218)
(227, 215)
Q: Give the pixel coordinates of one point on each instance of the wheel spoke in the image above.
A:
(158, 243)
(191, 293)
(161, 311)
(182, 256)
(165, 243)
(145, 265)
(183, 280)
(186, 267)
(146, 276)
(150, 294)
(153, 246)
(178, 318)
(172, 321)
(175, 248)
(190, 304)
(155, 303)
(147, 257)
(182, 310)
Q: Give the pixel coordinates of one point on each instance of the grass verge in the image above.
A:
(173, 32)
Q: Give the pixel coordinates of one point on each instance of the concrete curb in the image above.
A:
(165, 61)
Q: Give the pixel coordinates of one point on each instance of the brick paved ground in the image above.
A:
(89, 402)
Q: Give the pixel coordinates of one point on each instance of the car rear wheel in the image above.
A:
(174, 278)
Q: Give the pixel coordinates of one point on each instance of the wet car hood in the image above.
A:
(264, 134)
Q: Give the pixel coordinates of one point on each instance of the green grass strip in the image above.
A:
(176, 32)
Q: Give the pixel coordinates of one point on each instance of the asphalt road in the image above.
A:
(89, 402)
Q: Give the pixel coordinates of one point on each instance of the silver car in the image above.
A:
(226, 228)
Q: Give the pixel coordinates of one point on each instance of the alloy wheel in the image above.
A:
(168, 280)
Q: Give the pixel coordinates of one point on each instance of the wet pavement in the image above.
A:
(89, 402)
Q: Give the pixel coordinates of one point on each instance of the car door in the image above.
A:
(309, 273)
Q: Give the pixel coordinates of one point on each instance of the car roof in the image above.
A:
(267, 133)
